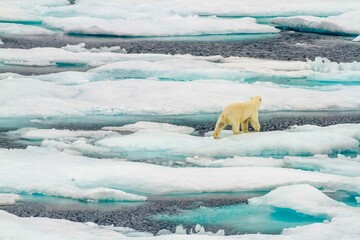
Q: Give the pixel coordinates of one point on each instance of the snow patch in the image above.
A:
(318, 140)
(138, 126)
(19, 29)
(24, 97)
(168, 26)
(81, 48)
(313, 201)
(59, 174)
(357, 39)
(324, 65)
(236, 161)
(8, 199)
(346, 23)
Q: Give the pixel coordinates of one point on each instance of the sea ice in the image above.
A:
(63, 134)
(118, 66)
(236, 161)
(346, 23)
(318, 140)
(164, 18)
(357, 39)
(81, 48)
(341, 165)
(141, 9)
(54, 173)
(345, 222)
(8, 198)
(164, 139)
(169, 26)
(313, 201)
(135, 127)
(14, 11)
(324, 65)
(20, 29)
(25, 97)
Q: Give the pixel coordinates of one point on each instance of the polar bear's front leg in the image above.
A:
(254, 121)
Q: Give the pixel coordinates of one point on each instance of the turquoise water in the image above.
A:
(241, 218)
(346, 197)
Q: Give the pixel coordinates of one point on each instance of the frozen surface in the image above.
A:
(25, 97)
(163, 18)
(313, 201)
(81, 48)
(236, 161)
(110, 9)
(152, 125)
(60, 174)
(347, 23)
(326, 66)
(169, 26)
(339, 165)
(40, 134)
(6, 198)
(170, 144)
(112, 64)
(343, 225)
(298, 141)
(357, 39)
(19, 29)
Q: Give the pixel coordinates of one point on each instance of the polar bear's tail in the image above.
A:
(220, 125)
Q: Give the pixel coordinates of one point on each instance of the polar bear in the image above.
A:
(237, 114)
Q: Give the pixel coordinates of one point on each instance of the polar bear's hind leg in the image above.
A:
(236, 127)
(244, 126)
(220, 125)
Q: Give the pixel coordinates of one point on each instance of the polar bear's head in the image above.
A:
(257, 100)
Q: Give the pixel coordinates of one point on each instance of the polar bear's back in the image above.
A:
(241, 111)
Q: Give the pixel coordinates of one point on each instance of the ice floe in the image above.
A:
(313, 201)
(347, 23)
(148, 140)
(139, 18)
(344, 223)
(357, 39)
(112, 64)
(57, 182)
(25, 96)
(65, 175)
(135, 127)
(81, 48)
(236, 161)
(169, 26)
(53, 56)
(41, 134)
(20, 29)
(111, 9)
(324, 65)
(340, 165)
(312, 140)
(8, 198)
